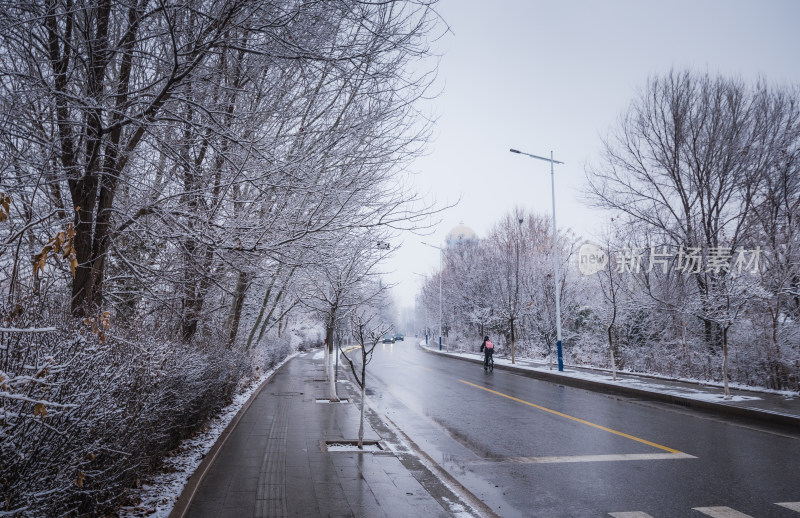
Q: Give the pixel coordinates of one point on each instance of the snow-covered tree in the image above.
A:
(367, 331)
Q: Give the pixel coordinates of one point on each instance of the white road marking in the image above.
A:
(601, 458)
(716, 512)
(721, 512)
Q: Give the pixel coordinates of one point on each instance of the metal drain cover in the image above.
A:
(351, 446)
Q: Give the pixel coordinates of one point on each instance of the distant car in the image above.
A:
(399, 337)
(388, 339)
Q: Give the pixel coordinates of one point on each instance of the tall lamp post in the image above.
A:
(555, 250)
(426, 308)
(441, 272)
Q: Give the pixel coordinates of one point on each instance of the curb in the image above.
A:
(183, 502)
(598, 386)
(448, 480)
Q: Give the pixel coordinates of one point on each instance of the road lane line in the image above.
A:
(794, 506)
(601, 458)
(576, 419)
(721, 512)
(634, 514)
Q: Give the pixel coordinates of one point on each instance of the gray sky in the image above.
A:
(555, 75)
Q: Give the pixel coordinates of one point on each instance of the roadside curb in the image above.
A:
(598, 386)
(449, 481)
(183, 502)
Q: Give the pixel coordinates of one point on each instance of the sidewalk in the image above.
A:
(276, 459)
(776, 408)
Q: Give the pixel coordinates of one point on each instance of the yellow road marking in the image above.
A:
(582, 421)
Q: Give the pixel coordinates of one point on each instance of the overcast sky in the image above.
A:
(555, 75)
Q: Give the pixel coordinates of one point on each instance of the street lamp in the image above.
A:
(426, 308)
(555, 250)
(441, 272)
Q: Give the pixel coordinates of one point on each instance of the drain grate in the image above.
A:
(351, 446)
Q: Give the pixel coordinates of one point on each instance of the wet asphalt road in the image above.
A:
(532, 448)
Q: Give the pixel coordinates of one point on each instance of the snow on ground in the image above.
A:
(158, 495)
(604, 375)
(456, 509)
(353, 448)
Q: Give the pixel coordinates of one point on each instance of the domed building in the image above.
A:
(460, 234)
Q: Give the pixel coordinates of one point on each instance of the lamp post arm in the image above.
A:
(537, 156)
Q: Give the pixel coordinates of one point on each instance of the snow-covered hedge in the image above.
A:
(83, 417)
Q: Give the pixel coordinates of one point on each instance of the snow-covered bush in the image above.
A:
(83, 416)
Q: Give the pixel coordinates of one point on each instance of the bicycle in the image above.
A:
(489, 364)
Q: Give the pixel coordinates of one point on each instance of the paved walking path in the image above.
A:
(274, 461)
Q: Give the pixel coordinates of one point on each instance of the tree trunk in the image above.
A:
(611, 351)
(512, 342)
(611, 342)
(329, 332)
(242, 284)
(264, 303)
(361, 422)
(266, 323)
(363, 395)
(83, 197)
(725, 362)
(195, 289)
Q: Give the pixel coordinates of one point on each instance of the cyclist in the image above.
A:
(487, 348)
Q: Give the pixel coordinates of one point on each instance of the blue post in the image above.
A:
(560, 357)
(426, 338)
(440, 342)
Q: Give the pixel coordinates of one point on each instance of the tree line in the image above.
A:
(186, 187)
(700, 183)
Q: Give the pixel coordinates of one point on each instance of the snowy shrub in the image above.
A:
(83, 416)
(306, 336)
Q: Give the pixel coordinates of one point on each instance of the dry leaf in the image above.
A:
(39, 409)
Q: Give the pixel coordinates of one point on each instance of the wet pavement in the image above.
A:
(287, 456)
(282, 456)
(779, 408)
(572, 444)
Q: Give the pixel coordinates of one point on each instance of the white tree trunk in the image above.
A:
(613, 364)
(725, 363)
(327, 356)
(332, 378)
(611, 350)
(361, 424)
